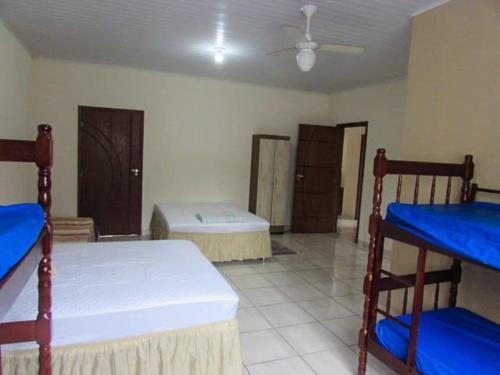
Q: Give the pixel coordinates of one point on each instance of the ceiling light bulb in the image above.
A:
(306, 59)
(219, 55)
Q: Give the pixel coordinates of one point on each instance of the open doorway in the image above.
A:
(353, 166)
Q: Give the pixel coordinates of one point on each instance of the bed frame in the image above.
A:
(40, 329)
(378, 280)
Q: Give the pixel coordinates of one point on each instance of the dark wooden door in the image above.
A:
(317, 179)
(110, 168)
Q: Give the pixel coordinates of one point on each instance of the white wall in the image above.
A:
(18, 181)
(383, 106)
(350, 168)
(453, 109)
(197, 132)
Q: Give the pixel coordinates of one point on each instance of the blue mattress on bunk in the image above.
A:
(450, 341)
(20, 226)
(471, 229)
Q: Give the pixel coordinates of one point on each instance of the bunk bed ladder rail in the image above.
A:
(40, 329)
(374, 284)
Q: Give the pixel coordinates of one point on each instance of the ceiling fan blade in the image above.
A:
(295, 33)
(279, 51)
(340, 48)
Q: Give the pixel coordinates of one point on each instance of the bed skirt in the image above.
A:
(219, 247)
(212, 349)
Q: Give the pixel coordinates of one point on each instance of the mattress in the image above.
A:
(471, 230)
(181, 217)
(450, 341)
(106, 291)
(20, 226)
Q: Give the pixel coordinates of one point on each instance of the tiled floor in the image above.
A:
(299, 314)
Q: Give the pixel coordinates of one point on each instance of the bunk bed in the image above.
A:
(27, 241)
(448, 340)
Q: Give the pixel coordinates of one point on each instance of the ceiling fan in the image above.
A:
(306, 47)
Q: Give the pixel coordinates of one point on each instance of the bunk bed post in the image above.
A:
(43, 160)
(466, 179)
(418, 298)
(379, 171)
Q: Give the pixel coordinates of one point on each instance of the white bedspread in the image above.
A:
(181, 217)
(104, 291)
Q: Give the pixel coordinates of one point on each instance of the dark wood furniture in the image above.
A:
(40, 329)
(378, 280)
(110, 148)
(317, 179)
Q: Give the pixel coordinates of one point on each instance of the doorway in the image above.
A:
(110, 147)
(317, 179)
(352, 175)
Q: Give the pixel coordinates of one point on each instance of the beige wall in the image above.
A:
(350, 167)
(197, 132)
(18, 181)
(383, 106)
(453, 108)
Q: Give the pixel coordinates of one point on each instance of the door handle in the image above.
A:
(135, 171)
(300, 177)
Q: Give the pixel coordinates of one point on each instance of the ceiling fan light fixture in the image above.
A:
(306, 59)
(219, 55)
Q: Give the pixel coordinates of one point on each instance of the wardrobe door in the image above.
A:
(265, 178)
(280, 184)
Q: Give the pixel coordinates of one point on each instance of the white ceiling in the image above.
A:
(179, 37)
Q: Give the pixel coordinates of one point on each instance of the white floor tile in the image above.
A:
(349, 272)
(314, 276)
(310, 338)
(250, 281)
(263, 346)
(251, 320)
(236, 269)
(285, 314)
(335, 288)
(356, 283)
(244, 301)
(375, 363)
(267, 267)
(342, 361)
(354, 302)
(325, 309)
(298, 265)
(266, 296)
(302, 292)
(346, 329)
(289, 366)
(284, 278)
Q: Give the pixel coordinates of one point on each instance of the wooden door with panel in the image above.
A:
(317, 179)
(110, 169)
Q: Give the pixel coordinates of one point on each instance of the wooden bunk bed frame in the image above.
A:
(40, 329)
(379, 229)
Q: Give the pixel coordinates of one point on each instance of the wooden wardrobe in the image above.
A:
(269, 179)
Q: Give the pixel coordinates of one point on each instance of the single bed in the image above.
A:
(171, 312)
(143, 307)
(445, 339)
(248, 238)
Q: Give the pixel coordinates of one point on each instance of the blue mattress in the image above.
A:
(471, 229)
(20, 226)
(450, 341)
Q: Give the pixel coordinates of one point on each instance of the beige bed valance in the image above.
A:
(212, 349)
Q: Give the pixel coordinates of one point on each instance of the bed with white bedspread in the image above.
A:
(245, 238)
(138, 307)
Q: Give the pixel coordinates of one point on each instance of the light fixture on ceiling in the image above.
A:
(306, 59)
(219, 55)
